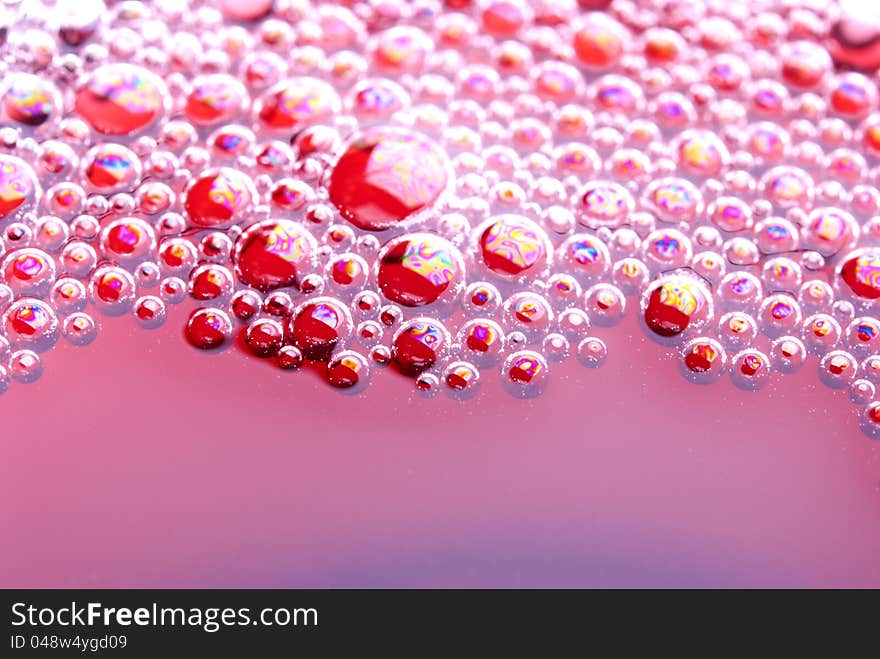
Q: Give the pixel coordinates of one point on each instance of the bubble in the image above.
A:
(862, 391)
(821, 333)
(556, 347)
(291, 104)
(703, 360)
(512, 245)
(667, 249)
(462, 379)
(121, 99)
(68, 295)
(271, 254)
(172, 290)
(863, 335)
(31, 323)
(829, 230)
(417, 344)
(675, 304)
(869, 420)
(374, 183)
(749, 369)
(525, 373)
(28, 271)
(263, 337)
(208, 328)
(348, 370)
(860, 271)
(401, 49)
(112, 290)
(289, 358)
(318, 327)
(528, 312)
(779, 314)
(29, 100)
(852, 95)
(605, 304)
(215, 98)
(149, 311)
(701, 153)
(838, 369)
(427, 384)
(418, 269)
(128, 240)
(25, 366)
(18, 187)
(739, 290)
(482, 339)
(604, 203)
(787, 187)
(592, 352)
(585, 255)
(219, 197)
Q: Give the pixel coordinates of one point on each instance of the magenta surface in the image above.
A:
(138, 461)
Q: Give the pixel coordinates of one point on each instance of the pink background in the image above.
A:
(139, 462)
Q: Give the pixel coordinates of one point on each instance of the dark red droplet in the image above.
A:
(862, 274)
(269, 254)
(264, 337)
(346, 370)
(416, 345)
(318, 327)
(662, 318)
(208, 328)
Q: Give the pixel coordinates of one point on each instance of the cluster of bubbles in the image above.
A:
(447, 188)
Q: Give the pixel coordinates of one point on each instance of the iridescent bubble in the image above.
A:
(220, 197)
(482, 339)
(121, 99)
(525, 373)
(418, 269)
(781, 274)
(387, 175)
(18, 187)
(701, 153)
(666, 249)
(675, 304)
(775, 235)
(29, 100)
(604, 203)
(863, 335)
(829, 230)
(703, 360)
(779, 314)
(749, 369)
(215, 98)
(562, 291)
(787, 187)
(860, 271)
(273, 253)
(128, 240)
(585, 255)
(739, 290)
(512, 245)
(481, 298)
(869, 420)
(296, 102)
(28, 271)
(815, 295)
(111, 167)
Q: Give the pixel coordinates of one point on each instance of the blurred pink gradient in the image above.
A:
(139, 462)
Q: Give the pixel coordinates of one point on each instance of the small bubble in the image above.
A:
(592, 352)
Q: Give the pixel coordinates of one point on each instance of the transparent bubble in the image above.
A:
(25, 366)
(779, 314)
(348, 370)
(739, 290)
(862, 391)
(592, 352)
(427, 384)
(80, 328)
(605, 304)
(737, 329)
(821, 333)
(462, 380)
(149, 311)
(838, 369)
